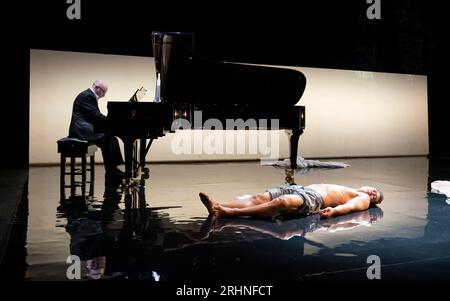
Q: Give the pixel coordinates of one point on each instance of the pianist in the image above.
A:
(325, 199)
(87, 123)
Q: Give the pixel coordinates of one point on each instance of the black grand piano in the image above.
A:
(220, 90)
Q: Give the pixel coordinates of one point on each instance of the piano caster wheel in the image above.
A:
(146, 170)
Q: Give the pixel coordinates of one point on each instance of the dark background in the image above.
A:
(409, 38)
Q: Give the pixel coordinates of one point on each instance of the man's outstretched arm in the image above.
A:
(359, 203)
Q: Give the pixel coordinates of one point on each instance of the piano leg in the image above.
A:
(129, 160)
(293, 143)
(128, 200)
(142, 153)
(141, 196)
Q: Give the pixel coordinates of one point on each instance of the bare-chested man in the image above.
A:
(326, 199)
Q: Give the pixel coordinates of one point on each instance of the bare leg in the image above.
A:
(236, 203)
(265, 209)
(248, 201)
(283, 203)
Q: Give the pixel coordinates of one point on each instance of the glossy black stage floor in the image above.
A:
(13, 216)
(172, 239)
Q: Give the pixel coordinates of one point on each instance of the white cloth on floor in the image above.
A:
(441, 187)
(302, 163)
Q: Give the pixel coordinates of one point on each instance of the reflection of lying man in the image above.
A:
(295, 200)
(287, 229)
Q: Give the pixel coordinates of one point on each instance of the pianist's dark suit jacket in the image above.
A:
(87, 120)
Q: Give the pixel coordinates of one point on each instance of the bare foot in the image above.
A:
(210, 204)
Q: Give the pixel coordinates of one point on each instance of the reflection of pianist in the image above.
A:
(86, 124)
(91, 238)
(108, 241)
(298, 227)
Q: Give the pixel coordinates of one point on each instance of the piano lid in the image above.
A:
(187, 78)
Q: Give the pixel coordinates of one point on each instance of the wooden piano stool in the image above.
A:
(74, 148)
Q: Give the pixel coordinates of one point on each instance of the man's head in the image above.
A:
(100, 88)
(376, 196)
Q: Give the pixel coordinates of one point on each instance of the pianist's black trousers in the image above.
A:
(111, 154)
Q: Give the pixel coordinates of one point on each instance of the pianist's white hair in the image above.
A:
(99, 83)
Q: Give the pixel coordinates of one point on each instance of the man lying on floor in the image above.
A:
(326, 199)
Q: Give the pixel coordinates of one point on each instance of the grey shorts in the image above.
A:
(312, 200)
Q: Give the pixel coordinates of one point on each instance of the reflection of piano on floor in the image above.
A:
(221, 90)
